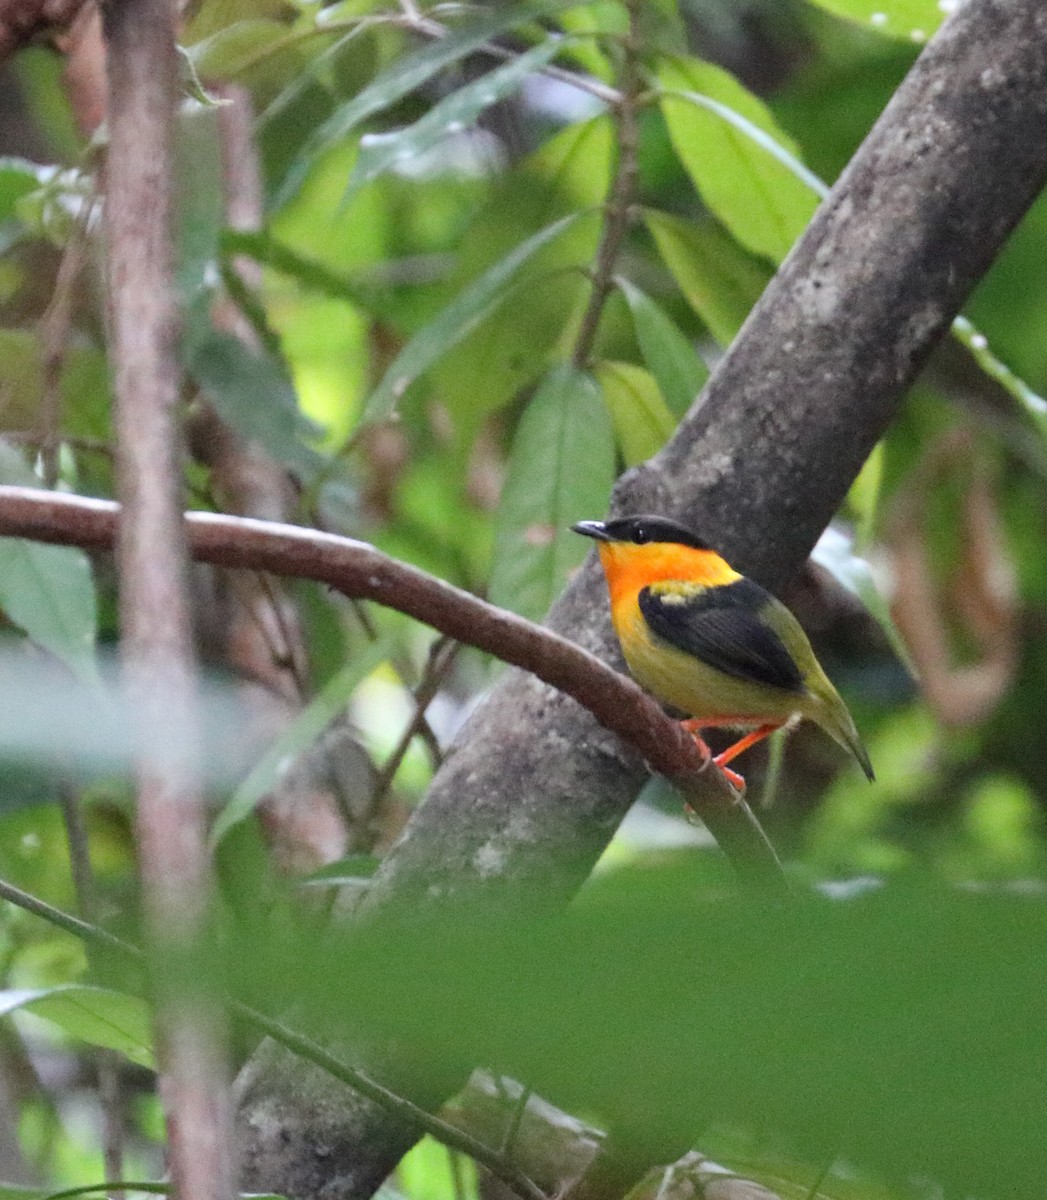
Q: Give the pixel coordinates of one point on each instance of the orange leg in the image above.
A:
(694, 726)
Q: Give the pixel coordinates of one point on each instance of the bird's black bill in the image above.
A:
(592, 529)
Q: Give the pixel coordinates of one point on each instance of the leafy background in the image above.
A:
(421, 367)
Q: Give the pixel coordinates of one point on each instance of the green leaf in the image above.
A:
(18, 177)
(381, 151)
(674, 362)
(407, 72)
(465, 312)
(561, 468)
(835, 552)
(642, 422)
(48, 591)
(252, 392)
(745, 167)
(915, 20)
(720, 281)
(297, 737)
(236, 47)
(99, 1016)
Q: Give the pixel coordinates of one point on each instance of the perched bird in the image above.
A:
(710, 642)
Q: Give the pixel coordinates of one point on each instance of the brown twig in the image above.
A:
(156, 640)
(106, 1063)
(358, 570)
(440, 658)
(618, 209)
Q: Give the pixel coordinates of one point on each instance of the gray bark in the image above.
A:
(526, 803)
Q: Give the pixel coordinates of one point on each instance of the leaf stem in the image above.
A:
(619, 206)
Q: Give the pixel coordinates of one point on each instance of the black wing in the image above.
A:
(721, 627)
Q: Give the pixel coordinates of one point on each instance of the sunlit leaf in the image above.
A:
(670, 357)
(915, 20)
(297, 738)
(380, 152)
(754, 191)
(98, 1016)
(459, 318)
(561, 468)
(719, 279)
(642, 421)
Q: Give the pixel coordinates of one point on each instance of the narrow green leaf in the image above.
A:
(915, 20)
(561, 468)
(297, 737)
(381, 151)
(754, 184)
(674, 362)
(720, 280)
(252, 392)
(233, 48)
(456, 321)
(407, 72)
(835, 552)
(48, 591)
(99, 1016)
(642, 421)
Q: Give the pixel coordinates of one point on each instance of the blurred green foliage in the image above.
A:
(419, 288)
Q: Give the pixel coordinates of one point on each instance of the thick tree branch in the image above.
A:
(358, 570)
(526, 803)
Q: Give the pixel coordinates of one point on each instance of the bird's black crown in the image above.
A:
(644, 528)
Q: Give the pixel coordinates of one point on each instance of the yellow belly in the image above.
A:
(696, 689)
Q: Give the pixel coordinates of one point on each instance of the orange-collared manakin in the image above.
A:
(710, 642)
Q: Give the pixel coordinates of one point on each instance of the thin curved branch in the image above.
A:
(358, 570)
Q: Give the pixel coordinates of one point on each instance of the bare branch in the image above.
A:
(156, 642)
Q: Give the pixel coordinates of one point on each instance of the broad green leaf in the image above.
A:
(48, 591)
(642, 421)
(456, 321)
(251, 391)
(577, 162)
(381, 151)
(297, 737)
(670, 357)
(914, 20)
(719, 279)
(751, 183)
(406, 73)
(561, 468)
(99, 1016)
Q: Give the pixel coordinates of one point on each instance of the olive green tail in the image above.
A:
(837, 721)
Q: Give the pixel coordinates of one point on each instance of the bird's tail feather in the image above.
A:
(839, 724)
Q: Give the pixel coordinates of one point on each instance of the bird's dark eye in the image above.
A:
(640, 535)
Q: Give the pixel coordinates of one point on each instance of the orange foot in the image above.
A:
(694, 728)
